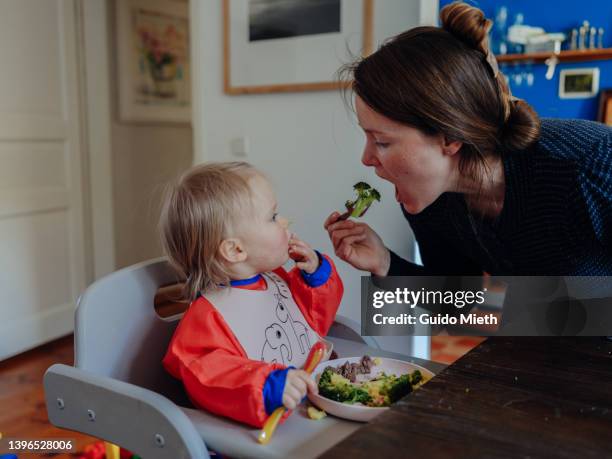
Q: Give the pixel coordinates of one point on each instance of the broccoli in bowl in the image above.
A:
(380, 391)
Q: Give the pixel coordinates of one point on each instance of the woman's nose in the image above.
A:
(368, 158)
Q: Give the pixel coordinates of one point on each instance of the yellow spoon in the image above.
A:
(314, 357)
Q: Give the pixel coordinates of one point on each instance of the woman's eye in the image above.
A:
(382, 144)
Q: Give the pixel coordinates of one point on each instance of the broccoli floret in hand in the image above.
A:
(366, 195)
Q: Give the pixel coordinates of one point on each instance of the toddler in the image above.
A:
(250, 323)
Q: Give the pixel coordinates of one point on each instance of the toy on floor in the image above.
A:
(102, 450)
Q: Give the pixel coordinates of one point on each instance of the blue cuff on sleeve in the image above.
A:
(321, 275)
(273, 389)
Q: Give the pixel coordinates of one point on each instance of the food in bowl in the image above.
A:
(341, 384)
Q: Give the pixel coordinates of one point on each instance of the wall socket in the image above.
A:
(239, 146)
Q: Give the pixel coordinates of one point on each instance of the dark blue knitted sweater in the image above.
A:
(556, 218)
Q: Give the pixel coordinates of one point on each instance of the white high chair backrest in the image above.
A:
(118, 333)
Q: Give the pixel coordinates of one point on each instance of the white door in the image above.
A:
(42, 255)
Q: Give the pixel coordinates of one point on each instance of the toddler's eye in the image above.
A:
(274, 217)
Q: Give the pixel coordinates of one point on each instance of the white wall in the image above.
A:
(307, 143)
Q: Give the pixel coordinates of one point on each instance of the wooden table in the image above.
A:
(508, 397)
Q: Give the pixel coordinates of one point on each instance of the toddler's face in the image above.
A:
(264, 235)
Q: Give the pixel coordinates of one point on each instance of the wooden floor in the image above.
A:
(447, 349)
(22, 400)
(23, 413)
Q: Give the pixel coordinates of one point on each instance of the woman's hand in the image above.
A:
(358, 244)
(297, 384)
(305, 258)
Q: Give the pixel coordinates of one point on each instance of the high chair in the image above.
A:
(118, 390)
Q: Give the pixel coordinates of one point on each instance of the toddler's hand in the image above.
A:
(305, 258)
(297, 384)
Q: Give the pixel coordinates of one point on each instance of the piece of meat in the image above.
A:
(366, 365)
(351, 370)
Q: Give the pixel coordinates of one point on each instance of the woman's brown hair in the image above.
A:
(198, 212)
(444, 80)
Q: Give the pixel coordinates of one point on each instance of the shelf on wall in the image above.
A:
(563, 56)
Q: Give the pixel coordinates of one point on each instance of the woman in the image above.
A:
(483, 182)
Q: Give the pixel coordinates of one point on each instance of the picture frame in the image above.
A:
(268, 53)
(605, 107)
(153, 61)
(579, 83)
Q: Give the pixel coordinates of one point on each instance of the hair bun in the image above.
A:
(522, 127)
(468, 24)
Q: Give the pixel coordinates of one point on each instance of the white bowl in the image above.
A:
(357, 411)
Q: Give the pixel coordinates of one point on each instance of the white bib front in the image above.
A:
(268, 323)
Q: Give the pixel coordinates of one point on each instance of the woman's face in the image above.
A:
(421, 167)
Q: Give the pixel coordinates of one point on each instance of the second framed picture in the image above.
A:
(292, 45)
(153, 68)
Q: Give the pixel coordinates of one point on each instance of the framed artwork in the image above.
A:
(578, 83)
(291, 45)
(153, 68)
(605, 107)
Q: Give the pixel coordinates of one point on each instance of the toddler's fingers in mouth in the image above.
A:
(296, 250)
(300, 243)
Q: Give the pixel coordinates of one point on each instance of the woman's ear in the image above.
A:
(451, 147)
(232, 250)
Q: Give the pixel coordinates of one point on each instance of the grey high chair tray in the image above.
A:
(118, 391)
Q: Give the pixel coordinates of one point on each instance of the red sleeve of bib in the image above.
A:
(214, 368)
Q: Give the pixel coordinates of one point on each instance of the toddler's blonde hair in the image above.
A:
(200, 210)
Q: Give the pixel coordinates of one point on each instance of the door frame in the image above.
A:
(95, 95)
